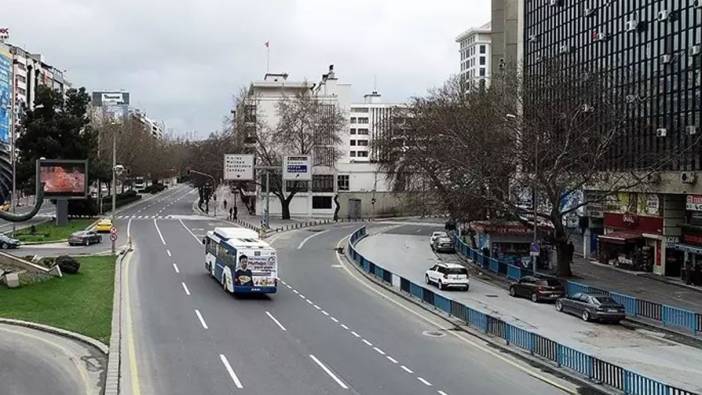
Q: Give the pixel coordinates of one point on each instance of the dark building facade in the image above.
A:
(651, 50)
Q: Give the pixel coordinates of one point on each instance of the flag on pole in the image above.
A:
(267, 44)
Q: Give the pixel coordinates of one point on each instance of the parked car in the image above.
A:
(597, 307)
(8, 242)
(435, 236)
(104, 225)
(448, 275)
(443, 244)
(5, 206)
(537, 288)
(85, 237)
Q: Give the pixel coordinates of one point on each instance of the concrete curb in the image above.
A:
(114, 358)
(543, 364)
(58, 331)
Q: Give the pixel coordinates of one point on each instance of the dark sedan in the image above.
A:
(85, 238)
(592, 307)
(537, 289)
(8, 242)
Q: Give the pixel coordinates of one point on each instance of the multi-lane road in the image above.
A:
(326, 331)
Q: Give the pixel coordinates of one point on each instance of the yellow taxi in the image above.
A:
(5, 206)
(104, 225)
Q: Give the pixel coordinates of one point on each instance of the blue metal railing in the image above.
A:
(629, 382)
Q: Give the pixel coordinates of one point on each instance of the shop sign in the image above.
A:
(694, 202)
(629, 218)
(672, 239)
(653, 204)
(692, 239)
(595, 210)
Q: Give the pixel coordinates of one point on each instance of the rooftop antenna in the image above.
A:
(375, 83)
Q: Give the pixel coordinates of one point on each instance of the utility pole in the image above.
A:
(114, 182)
(13, 156)
(534, 200)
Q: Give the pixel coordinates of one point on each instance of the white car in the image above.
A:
(448, 275)
(435, 236)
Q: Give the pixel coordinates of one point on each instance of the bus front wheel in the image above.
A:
(224, 283)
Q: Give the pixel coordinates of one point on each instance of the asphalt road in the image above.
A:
(324, 332)
(405, 250)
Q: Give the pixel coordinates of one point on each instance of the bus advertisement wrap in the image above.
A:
(255, 271)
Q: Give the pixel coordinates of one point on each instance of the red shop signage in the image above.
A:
(634, 222)
(692, 239)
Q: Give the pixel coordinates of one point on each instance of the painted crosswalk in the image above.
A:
(163, 217)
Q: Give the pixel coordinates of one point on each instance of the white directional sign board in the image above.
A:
(238, 167)
(298, 167)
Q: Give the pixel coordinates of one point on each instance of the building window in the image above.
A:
(321, 202)
(363, 120)
(482, 49)
(482, 60)
(362, 154)
(342, 182)
(352, 154)
(363, 131)
(363, 143)
(299, 186)
(352, 143)
(482, 72)
(353, 119)
(323, 183)
(353, 131)
(359, 109)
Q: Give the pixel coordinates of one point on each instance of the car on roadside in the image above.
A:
(537, 289)
(592, 307)
(104, 225)
(7, 242)
(435, 236)
(5, 206)
(84, 237)
(448, 275)
(443, 244)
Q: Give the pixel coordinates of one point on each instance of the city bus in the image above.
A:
(240, 261)
(139, 184)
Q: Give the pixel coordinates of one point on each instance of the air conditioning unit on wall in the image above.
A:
(632, 25)
(661, 132)
(691, 129)
(667, 59)
(688, 177)
(565, 48)
(663, 15)
(697, 3)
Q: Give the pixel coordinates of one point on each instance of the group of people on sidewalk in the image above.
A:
(233, 211)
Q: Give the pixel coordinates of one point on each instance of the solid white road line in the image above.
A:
(406, 369)
(233, 375)
(168, 252)
(367, 342)
(329, 372)
(302, 243)
(428, 384)
(379, 351)
(276, 321)
(129, 229)
(202, 320)
(185, 287)
(175, 267)
(159, 233)
(391, 359)
(189, 231)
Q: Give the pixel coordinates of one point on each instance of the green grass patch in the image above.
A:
(48, 232)
(77, 302)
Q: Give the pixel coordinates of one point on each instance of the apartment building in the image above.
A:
(475, 55)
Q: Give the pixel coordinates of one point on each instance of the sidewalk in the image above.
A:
(223, 193)
(645, 286)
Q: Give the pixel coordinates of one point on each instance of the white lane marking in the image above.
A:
(233, 375)
(317, 307)
(355, 334)
(202, 320)
(367, 342)
(295, 291)
(159, 233)
(189, 231)
(329, 372)
(309, 301)
(288, 285)
(391, 359)
(302, 243)
(344, 326)
(336, 266)
(302, 296)
(175, 267)
(441, 392)
(276, 321)
(185, 287)
(283, 282)
(334, 319)
(168, 252)
(484, 349)
(325, 313)
(129, 229)
(379, 351)
(406, 369)
(428, 384)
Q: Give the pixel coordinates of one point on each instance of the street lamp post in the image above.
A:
(13, 159)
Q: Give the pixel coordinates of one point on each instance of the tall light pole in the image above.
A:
(13, 156)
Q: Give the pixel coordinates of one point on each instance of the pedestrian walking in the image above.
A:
(230, 213)
(234, 213)
(571, 251)
(225, 204)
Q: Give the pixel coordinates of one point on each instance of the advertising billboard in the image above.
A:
(238, 167)
(298, 167)
(5, 93)
(63, 179)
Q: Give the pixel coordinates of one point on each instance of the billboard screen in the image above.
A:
(5, 93)
(67, 179)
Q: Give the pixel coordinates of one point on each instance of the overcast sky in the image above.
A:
(183, 59)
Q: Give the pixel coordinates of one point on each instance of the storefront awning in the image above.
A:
(686, 247)
(621, 237)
